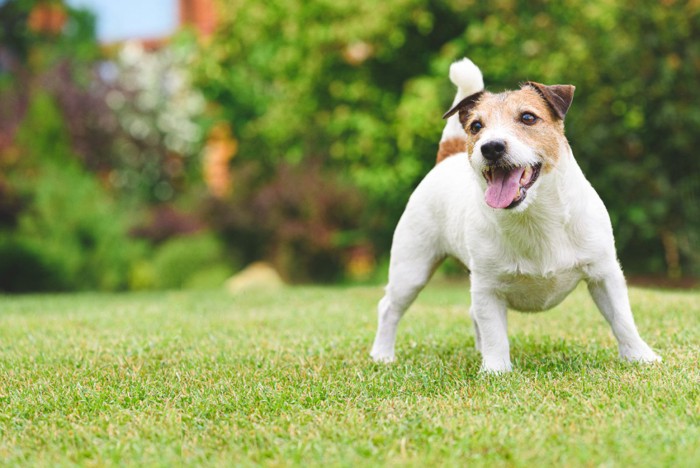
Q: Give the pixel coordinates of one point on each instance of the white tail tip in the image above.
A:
(467, 77)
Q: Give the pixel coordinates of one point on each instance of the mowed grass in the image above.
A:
(283, 378)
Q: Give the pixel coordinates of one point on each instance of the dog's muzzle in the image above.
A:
(507, 185)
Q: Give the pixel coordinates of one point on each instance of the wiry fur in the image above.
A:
(527, 258)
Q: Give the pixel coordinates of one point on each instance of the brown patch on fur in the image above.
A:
(559, 97)
(450, 147)
(545, 137)
(464, 107)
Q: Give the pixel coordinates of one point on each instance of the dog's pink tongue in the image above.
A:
(502, 189)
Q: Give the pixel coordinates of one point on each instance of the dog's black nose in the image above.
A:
(493, 150)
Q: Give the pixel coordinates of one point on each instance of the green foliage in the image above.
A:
(335, 107)
(24, 267)
(325, 79)
(70, 227)
(72, 128)
(195, 262)
(362, 85)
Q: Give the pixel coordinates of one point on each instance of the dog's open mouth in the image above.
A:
(507, 185)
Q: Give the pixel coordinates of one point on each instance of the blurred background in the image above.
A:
(161, 144)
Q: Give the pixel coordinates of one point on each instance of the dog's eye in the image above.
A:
(475, 127)
(528, 118)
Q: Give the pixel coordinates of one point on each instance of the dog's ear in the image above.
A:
(558, 97)
(464, 107)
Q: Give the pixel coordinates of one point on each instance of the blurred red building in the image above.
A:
(200, 14)
(49, 17)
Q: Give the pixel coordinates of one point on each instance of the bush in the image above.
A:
(70, 227)
(196, 261)
(24, 268)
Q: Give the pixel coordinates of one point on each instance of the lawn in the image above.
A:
(283, 378)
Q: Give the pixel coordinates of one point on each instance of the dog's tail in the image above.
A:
(469, 80)
(467, 77)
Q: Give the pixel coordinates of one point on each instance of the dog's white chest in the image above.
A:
(529, 293)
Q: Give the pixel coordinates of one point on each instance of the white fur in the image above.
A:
(528, 258)
(467, 77)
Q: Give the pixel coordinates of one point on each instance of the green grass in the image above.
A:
(284, 378)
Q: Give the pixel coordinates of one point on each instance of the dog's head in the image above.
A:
(515, 139)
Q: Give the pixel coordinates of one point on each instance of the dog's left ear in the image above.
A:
(464, 107)
(558, 97)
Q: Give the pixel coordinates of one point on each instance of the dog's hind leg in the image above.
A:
(414, 258)
(611, 297)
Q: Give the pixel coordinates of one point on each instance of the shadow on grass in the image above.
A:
(529, 356)
(559, 356)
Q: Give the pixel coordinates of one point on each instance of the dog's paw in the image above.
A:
(496, 367)
(382, 356)
(642, 354)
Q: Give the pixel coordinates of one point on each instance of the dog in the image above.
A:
(508, 200)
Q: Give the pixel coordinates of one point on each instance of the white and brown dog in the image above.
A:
(509, 201)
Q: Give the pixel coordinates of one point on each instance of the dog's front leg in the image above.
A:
(489, 313)
(610, 295)
(385, 339)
